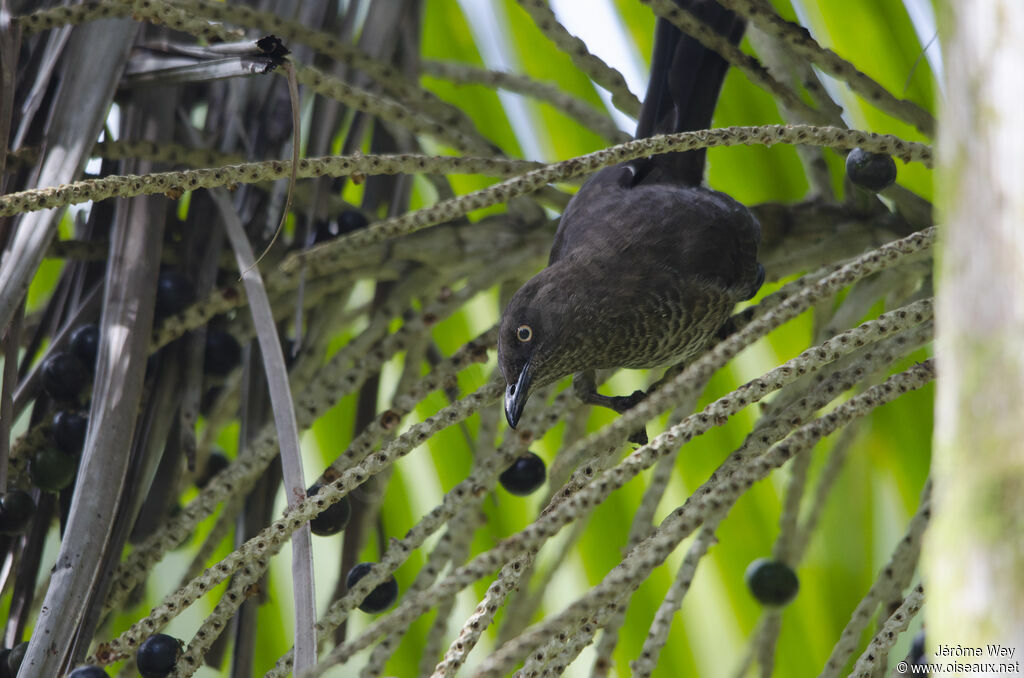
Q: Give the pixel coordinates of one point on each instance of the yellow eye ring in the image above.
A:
(524, 333)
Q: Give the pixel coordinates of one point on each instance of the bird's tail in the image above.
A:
(686, 78)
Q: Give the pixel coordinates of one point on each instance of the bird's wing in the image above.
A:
(688, 230)
(585, 210)
(685, 81)
(696, 232)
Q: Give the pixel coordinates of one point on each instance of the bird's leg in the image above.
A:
(584, 385)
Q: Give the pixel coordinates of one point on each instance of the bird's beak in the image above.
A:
(516, 395)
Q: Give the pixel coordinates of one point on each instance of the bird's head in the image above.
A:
(533, 350)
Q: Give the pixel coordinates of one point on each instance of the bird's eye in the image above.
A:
(524, 333)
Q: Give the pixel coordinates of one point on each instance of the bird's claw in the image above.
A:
(639, 437)
(623, 403)
(584, 386)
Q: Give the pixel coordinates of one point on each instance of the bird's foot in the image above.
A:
(618, 403)
(624, 403)
(639, 436)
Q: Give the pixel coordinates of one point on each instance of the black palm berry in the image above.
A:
(873, 171)
(157, 655)
(351, 220)
(51, 470)
(324, 230)
(15, 657)
(63, 376)
(525, 475)
(88, 672)
(331, 520)
(173, 293)
(69, 431)
(85, 345)
(347, 222)
(222, 353)
(215, 463)
(772, 582)
(917, 650)
(16, 509)
(379, 599)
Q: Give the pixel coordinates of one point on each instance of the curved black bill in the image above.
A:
(516, 395)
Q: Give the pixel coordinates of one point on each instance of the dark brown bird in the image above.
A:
(647, 264)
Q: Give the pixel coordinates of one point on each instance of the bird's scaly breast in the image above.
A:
(661, 327)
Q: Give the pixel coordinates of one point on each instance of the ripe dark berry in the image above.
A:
(873, 171)
(772, 582)
(16, 509)
(51, 470)
(324, 230)
(69, 431)
(347, 222)
(525, 475)
(917, 650)
(16, 655)
(331, 520)
(63, 376)
(379, 599)
(222, 353)
(85, 345)
(157, 655)
(173, 293)
(351, 220)
(88, 672)
(215, 463)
